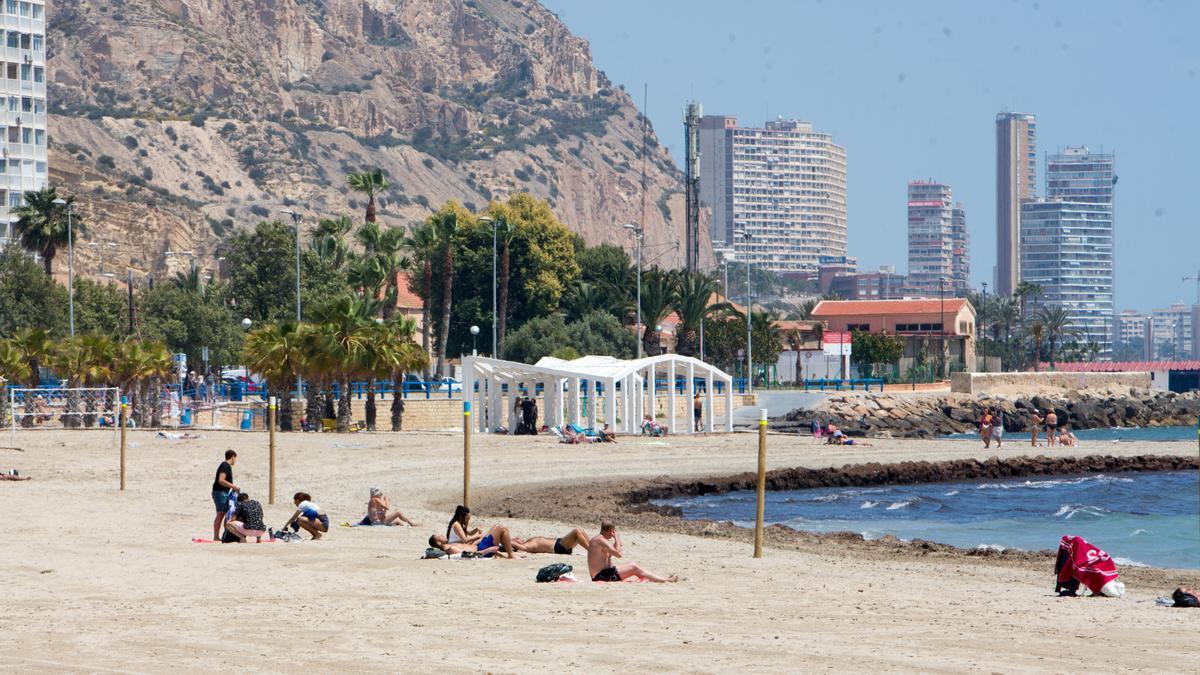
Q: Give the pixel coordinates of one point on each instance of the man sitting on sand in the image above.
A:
(601, 550)
(564, 545)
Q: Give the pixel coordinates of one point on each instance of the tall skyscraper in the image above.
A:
(937, 240)
(1077, 175)
(1067, 249)
(961, 242)
(1016, 182)
(784, 184)
(23, 129)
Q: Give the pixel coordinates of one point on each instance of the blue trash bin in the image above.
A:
(247, 420)
(185, 417)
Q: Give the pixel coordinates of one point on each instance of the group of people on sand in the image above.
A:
(461, 538)
(991, 428)
(833, 435)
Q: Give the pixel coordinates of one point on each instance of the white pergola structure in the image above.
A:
(573, 389)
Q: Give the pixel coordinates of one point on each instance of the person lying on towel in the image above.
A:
(1082, 563)
(563, 545)
(461, 537)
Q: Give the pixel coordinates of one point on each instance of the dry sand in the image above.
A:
(98, 580)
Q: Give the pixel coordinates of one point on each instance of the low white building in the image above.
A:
(620, 393)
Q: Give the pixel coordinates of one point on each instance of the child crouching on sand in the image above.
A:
(308, 516)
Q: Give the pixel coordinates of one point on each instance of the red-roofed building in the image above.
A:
(1177, 376)
(924, 324)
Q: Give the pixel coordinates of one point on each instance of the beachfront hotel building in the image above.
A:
(23, 142)
(936, 332)
(1067, 249)
(1016, 182)
(1171, 332)
(938, 256)
(784, 184)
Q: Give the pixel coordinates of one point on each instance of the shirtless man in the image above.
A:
(601, 550)
(1051, 426)
(494, 542)
(564, 545)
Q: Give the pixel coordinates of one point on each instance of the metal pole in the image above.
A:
(749, 332)
(296, 222)
(122, 421)
(761, 497)
(129, 288)
(639, 288)
(71, 272)
(942, 332)
(271, 435)
(494, 316)
(466, 500)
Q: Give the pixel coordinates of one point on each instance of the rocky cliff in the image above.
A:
(180, 120)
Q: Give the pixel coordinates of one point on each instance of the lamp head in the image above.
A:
(474, 330)
(246, 323)
(59, 202)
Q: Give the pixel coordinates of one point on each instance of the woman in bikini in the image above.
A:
(379, 511)
(461, 537)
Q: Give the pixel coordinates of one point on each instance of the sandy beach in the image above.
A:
(102, 581)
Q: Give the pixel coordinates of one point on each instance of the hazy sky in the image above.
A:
(911, 89)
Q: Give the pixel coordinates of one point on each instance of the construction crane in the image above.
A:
(1195, 278)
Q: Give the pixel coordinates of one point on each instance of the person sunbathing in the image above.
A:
(497, 540)
(604, 547)
(1066, 438)
(13, 475)
(247, 520)
(564, 545)
(459, 531)
(380, 512)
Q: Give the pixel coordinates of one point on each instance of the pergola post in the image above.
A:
(653, 387)
(729, 406)
(671, 397)
(709, 411)
(691, 396)
(494, 403)
(511, 407)
(593, 391)
(610, 402)
(573, 397)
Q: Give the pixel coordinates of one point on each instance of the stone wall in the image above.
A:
(982, 383)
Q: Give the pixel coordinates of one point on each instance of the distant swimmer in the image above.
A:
(607, 545)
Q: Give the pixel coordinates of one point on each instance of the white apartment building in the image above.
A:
(23, 103)
(784, 185)
(1171, 332)
(937, 241)
(1131, 325)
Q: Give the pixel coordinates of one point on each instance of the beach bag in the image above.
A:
(284, 536)
(552, 572)
(433, 553)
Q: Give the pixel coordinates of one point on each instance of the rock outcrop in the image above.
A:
(925, 415)
(179, 120)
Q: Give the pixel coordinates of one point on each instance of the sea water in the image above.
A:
(1148, 518)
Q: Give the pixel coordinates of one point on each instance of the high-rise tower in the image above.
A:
(784, 184)
(1016, 182)
(937, 240)
(23, 97)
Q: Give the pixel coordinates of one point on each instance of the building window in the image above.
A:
(39, 137)
(40, 168)
(39, 74)
(864, 327)
(26, 104)
(11, 6)
(14, 135)
(14, 103)
(11, 71)
(37, 43)
(26, 135)
(37, 11)
(26, 71)
(24, 9)
(14, 200)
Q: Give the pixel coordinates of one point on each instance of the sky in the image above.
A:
(911, 90)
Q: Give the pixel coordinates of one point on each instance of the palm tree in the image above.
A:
(1006, 315)
(189, 281)
(328, 243)
(423, 244)
(343, 327)
(580, 299)
(70, 362)
(370, 183)
(42, 224)
(14, 369)
(275, 351)
(407, 358)
(100, 352)
(1054, 321)
(446, 224)
(1036, 331)
(34, 346)
(391, 262)
(693, 290)
(658, 290)
(315, 365)
(139, 367)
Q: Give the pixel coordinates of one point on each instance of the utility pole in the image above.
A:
(745, 234)
(69, 207)
(296, 222)
(638, 232)
(942, 332)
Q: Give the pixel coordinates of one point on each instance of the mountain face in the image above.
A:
(177, 121)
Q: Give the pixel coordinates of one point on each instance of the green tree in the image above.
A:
(446, 223)
(370, 182)
(658, 291)
(28, 297)
(691, 302)
(1055, 321)
(100, 308)
(275, 351)
(262, 271)
(42, 225)
(537, 338)
(343, 327)
(601, 333)
(870, 349)
(13, 371)
(187, 322)
(422, 243)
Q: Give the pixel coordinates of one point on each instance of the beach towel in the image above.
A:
(1082, 563)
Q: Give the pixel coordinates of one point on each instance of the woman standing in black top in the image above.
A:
(221, 489)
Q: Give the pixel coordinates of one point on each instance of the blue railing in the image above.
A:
(838, 384)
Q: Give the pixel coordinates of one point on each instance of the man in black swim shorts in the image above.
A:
(564, 545)
(607, 545)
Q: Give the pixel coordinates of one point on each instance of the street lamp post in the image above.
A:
(942, 332)
(639, 233)
(474, 334)
(745, 234)
(62, 203)
(296, 223)
(495, 226)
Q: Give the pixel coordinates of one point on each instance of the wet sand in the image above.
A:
(98, 580)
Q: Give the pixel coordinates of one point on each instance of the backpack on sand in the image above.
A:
(552, 572)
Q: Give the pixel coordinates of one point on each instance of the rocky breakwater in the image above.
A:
(903, 415)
